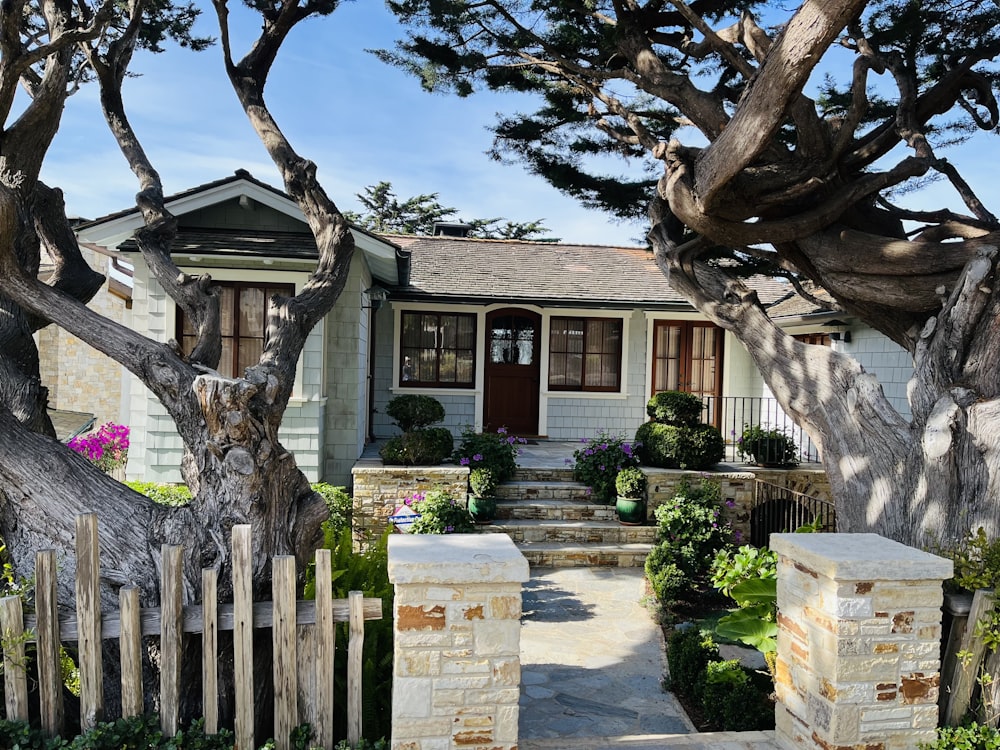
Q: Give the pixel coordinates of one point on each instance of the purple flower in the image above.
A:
(604, 446)
(502, 431)
(601, 467)
(738, 536)
(730, 503)
(464, 461)
(448, 529)
(478, 457)
(567, 460)
(511, 440)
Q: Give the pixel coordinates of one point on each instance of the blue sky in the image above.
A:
(358, 119)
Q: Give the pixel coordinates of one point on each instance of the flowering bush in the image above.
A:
(496, 451)
(599, 461)
(439, 513)
(106, 447)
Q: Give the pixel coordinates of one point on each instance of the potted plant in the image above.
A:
(631, 503)
(767, 447)
(482, 488)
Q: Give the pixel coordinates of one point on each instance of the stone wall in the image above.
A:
(379, 490)
(737, 492)
(456, 634)
(858, 642)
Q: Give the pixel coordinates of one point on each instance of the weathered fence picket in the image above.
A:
(303, 637)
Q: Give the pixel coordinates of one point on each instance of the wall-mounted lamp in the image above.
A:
(841, 336)
(376, 296)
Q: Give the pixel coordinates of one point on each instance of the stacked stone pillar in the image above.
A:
(457, 612)
(858, 643)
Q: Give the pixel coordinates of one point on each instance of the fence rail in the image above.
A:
(779, 509)
(738, 412)
(285, 616)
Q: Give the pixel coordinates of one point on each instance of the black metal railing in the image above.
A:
(733, 414)
(778, 509)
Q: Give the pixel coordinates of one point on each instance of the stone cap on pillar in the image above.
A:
(455, 558)
(861, 557)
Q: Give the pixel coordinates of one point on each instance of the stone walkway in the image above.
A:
(592, 662)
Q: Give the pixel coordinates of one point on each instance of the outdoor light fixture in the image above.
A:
(376, 296)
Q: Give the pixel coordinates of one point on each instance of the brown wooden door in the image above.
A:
(513, 340)
(687, 356)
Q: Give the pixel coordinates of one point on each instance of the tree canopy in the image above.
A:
(787, 138)
(384, 212)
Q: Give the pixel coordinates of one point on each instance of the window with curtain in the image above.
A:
(437, 350)
(243, 320)
(585, 354)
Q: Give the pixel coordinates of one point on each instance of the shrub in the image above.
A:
(425, 447)
(767, 446)
(688, 536)
(496, 451)
(688, 654)
(735, 699)
(730, 568)
(106, 447)
(676, 408)
(631, 482)
(413, 412)
(440, 513)
(672, 447)
(338, 504)
(969, 737)
(598, 462)
(164, 494)
(483, 482)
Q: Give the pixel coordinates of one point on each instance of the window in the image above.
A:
(585, 354)
(243, 320)
(816, 339)
(437, 350)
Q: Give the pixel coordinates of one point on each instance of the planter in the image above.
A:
(631, 511)
(771, 452)
(482, 509)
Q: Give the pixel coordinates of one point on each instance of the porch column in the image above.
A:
(457, 635)
(859, 642)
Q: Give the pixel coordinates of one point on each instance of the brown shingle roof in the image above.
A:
(795, 305)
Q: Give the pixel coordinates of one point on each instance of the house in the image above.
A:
(552, 340)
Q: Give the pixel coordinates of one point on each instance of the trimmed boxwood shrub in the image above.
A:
(412, 412)
(735, 699)
(688, 654)
(425, 447)
(675, 407)
(673, 447)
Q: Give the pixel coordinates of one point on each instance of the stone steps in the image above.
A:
(553, 522)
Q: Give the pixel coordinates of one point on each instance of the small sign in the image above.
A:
(403, 518)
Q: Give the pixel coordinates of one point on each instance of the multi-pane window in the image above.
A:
(585, 354)
(437, 350)
(243, 320)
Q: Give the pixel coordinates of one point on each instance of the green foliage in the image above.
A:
(425, 447)
(384, 212)
(367, 572)
(731, 567)
(440, 513)
(688, 654)
(971, 736)
(631, 483)
(164, 494)
(665, 577)
(676, 408)
(767, 446)
(338, 503)
(671, 447)
(598, 462)
(977, 561)
(414, 412)
(735, 699)
(496, 451)
(483, 481)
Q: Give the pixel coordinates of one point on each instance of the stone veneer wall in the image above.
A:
(456, 634)
(859, 642)
(379, 490)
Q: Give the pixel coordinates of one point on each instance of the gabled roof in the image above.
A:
(117, 229)
(475, 270)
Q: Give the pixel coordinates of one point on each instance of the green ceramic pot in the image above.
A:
(631, 511)
(483, 509)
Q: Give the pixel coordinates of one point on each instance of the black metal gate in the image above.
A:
(778, 509)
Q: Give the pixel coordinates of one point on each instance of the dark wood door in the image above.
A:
(513, 340)
(687, 356)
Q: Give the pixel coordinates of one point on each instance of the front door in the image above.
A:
(687, 356)
(513, 339)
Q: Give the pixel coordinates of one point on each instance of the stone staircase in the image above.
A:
(552, 521)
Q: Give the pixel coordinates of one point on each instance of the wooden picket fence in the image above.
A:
(303, 662)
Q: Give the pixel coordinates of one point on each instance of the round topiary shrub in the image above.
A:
(412, 412)
(672, 447)
(418, 448)
(676, 408)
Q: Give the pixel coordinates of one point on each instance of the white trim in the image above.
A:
(439, 391)
(609, 395)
